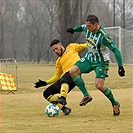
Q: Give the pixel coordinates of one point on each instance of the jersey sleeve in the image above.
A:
(80, 28)
(80, 47)
(107, 41)
(118, 56)
(112, 46)
(53, 79)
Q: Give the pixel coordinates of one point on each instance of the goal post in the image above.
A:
(124, 40)
(117, 33)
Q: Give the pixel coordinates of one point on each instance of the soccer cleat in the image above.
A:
(85, 100)
(61, 100)
(116, 110)
(66, 110)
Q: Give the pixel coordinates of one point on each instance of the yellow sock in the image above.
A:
(60, 105)
(64, 90)
(53, 98)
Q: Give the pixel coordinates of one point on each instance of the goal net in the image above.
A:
(124, 40)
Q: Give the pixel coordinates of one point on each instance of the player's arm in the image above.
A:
(80, 47)
(111, 45)
(56, 77)
(79, 28)
(41, 83)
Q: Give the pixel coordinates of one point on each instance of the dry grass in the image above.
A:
(24, 111)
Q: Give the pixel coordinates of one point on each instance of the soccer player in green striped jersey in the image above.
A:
(97, 59)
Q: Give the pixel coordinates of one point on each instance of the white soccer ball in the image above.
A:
(52, 110)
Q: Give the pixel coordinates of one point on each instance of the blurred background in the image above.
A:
(28, 26)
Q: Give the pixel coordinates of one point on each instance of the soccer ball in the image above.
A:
(52, 110)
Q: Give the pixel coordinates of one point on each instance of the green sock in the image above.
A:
(109, 95)
(81, 85)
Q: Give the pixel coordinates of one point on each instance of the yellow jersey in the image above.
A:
(65, 62)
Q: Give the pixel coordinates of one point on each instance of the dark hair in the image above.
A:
(55, 41)
(92, 19)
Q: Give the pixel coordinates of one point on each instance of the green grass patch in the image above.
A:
(23, 112)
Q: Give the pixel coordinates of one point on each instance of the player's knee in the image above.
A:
(99, 85)
(75, 71)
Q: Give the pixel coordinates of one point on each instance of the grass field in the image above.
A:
(24, 111)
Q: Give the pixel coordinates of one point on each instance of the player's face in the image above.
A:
(58, 49)
(92, 27)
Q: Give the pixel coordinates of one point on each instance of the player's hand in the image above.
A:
(70, 30)
(121, 71)
(40, 83)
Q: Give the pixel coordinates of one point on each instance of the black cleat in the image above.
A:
(61, 100)
(66, 110)
(85, 100)
(116, 110)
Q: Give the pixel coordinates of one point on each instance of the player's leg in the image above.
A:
(49, 94)
(99, 83)
(82, 66)
(67, 85)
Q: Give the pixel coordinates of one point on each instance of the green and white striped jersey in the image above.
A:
(97, 44)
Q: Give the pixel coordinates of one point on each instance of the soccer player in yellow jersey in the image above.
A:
(67, 57)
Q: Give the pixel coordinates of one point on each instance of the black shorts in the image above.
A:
(55, 87)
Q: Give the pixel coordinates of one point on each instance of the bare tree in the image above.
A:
(28, 26)
(9, 27)
(70, 14)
